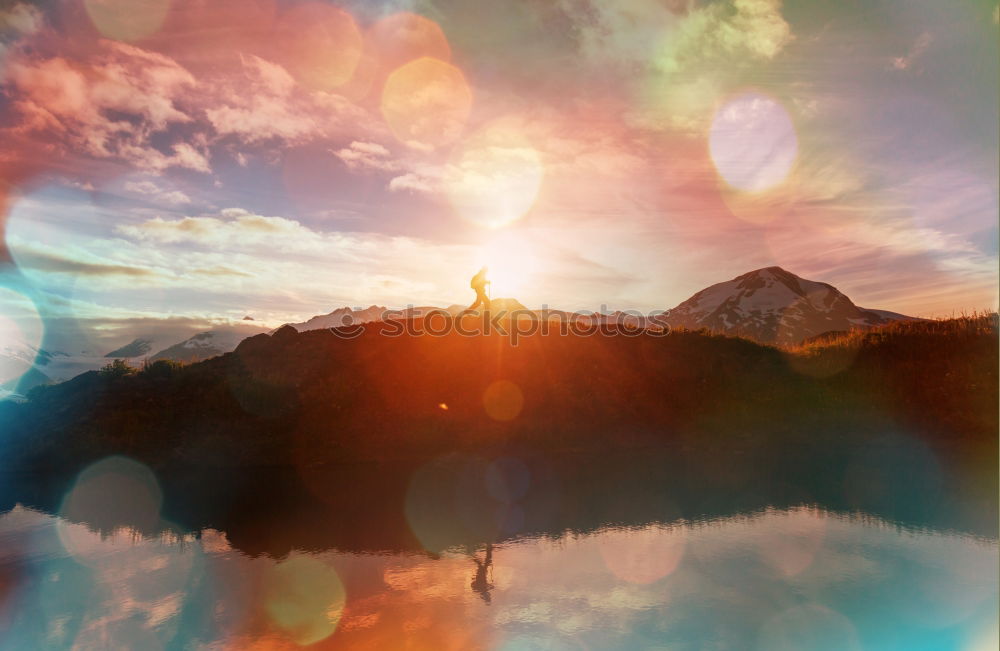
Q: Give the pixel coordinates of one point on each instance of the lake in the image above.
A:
(505, 553)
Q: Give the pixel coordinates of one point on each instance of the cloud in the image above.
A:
(262, 105)
(367, 155)
(677, 61)
(237, 261)
(221, 270)
(650, 33)
(107, 106)
(187, 156)
(735, 31)
(263, 102)
(143, 108)
(20, 19)
(235, 229)
(916, 51)
(411, 182)
(53, 263)
(154, 192)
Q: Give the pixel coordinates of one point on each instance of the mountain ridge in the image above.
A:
(769, 305)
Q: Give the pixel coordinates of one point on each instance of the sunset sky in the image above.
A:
(205, 160)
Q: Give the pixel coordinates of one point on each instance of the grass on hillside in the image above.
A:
(960, 328)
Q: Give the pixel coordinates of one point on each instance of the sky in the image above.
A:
(190, 163)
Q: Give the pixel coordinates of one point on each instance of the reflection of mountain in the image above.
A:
(773, 305)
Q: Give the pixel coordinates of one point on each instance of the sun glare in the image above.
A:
(513, 264)
(753, 142)
(494, 177)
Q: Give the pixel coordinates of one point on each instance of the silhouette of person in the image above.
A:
(481, 583)
(479, 283)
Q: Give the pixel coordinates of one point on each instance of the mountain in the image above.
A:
(892, 316)
(342, 316)
(507, 304)
(137, 348)
(19, 366)
(24, 366)
(772, 305)
(205, 345)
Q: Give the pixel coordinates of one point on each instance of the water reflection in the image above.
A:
(859, 583)
(885, 545)
(482, 582)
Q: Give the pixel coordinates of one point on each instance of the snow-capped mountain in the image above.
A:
(205, 345)
(774, 306)
(342, 316)
(19, 362)
(346, 316)
(136, 348)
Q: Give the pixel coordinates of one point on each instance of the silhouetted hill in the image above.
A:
(314, 397)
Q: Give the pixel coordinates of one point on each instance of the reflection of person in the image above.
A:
(481, 583)
(479, 284)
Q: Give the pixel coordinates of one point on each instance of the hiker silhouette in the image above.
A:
(479, 283)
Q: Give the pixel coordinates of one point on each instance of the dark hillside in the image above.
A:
(314, 397)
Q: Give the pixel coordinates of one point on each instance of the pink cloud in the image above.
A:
(410, 182)
(109, 103)
(87, 102)
(367, 155)
(262, 101)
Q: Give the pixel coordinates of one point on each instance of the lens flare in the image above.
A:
(793, 547)
(322, 45)
(21, 333)
(116, 492)
(127, 20)
(305, 598)
(448, 503)
(364, 78)
(821, 361)
(426, 103)
(404, 36)
(503, 400)
(986, 639)
(47, 237)
(752, 142)
(513, 262)
(642, 556)
(494, 177)
(507, 479)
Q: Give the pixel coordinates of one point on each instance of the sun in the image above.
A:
(513, 264)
